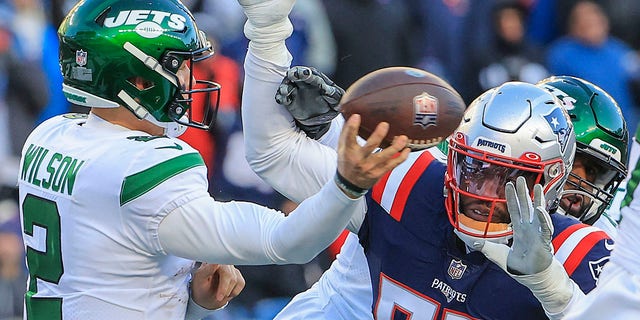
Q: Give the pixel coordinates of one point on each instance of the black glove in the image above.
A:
(311, 98)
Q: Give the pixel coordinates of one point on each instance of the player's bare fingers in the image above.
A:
(204, 284)
(227, 279)
(375, 165)
(349, 133)
(376, 137)
(206, 270)
(386, 164)
(388, 158)
(398, 144)
(396, 159)
(240, 283)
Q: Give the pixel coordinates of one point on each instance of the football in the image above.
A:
(414, 102)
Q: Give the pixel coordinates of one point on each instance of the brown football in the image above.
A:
(414, 102)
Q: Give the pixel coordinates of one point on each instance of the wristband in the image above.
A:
(348, 187)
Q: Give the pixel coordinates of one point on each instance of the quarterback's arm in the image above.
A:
(244, 233)
(248, 234)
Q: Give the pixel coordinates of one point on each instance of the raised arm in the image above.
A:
(276, 149)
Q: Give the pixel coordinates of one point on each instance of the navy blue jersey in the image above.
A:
(419, 268)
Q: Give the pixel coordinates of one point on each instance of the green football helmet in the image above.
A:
(602, 140)
(106, 46)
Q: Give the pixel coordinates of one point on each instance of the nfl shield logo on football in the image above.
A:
(456, 269)
(425, 109)
(81, 57)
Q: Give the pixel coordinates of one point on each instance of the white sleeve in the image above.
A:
(244, 233)
(276, 150)
(197, 312)
(331, 137)
(615, 297)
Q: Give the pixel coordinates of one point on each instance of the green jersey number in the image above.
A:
(44, 257)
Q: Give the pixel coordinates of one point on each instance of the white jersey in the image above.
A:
(342, 292)
(95, 197)
(613, 211)
(87, 232)
(616, 295)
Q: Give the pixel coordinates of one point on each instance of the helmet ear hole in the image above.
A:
(171, 63)
(176, 111)
(141, 83)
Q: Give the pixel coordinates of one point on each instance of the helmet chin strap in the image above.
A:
(171, 129)
(473, 242)
(174, 129)
(473, 226)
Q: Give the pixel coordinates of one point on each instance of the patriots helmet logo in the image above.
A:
(557, 121)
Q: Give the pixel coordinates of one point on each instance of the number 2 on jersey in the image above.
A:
(44, 257)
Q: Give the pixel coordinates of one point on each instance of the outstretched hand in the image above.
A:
(531, 251)
(360, 165)
(530, 259)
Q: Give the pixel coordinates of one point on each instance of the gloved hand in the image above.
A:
(530, 259)
(311, 98)
(531, 251)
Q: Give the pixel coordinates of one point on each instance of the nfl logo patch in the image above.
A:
(425, 109)
(81, 58)
(456, 269)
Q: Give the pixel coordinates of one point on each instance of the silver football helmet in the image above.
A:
(516, 129)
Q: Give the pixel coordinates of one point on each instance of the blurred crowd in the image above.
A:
(473, 44)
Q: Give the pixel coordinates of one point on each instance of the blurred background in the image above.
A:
(473, 44)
